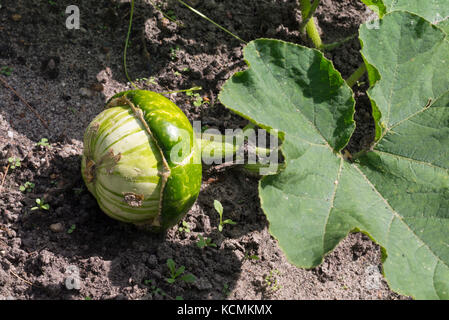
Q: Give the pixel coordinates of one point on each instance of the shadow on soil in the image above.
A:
(131, 257)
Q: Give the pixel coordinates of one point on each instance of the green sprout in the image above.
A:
(197, 99)
(78, 191)
(205, 242)
(185, 227)
(154, 289)
(226, 291)
(71, 229)
(171, 14)
(271, 280)
(175, 273)
(151, 80)
(251, 257)
(43, 142)
(14, 163)
(27, 186)
(219, 208)
(174, 53)
(6, 71)
(41, 205)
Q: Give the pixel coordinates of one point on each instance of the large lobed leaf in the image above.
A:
(398, 193)
(431, 10)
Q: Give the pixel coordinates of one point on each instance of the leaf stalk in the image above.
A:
(353, 78)
(307, 11)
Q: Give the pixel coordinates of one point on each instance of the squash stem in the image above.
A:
(215, 148)
(307, 11)
(353, 78)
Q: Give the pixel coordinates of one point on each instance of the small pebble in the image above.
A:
(16, 17)
(84, 92)
(57, 227)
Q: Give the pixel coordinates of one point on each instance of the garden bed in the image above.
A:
(67, 75)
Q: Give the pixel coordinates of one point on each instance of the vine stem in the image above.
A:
(183, 90)
(211, 21)
(126, 44)
(190, 8)
(307, 11)
(353, 78)
(332, 46)
(312, 10)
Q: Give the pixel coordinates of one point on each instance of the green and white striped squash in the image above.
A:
(141, 160)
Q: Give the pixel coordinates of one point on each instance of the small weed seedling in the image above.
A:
(175, 273)
(41, 205)
(205, 242)
(6, 71)
(271, 280)
(14, 163)
(174, 53)
(78, 191)
(197, 99)
(27, 187)
(151, 80)
(184, 228)
(43, 143)
(71, 229)
(171, 14)
(225, 291)
(219, 208)
(154, 290)
(251, 256)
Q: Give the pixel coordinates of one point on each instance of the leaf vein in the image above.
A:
(340, 169)
(398, 216)
(267, 67)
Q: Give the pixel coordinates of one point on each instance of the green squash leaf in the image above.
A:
(411, 55)
(410, 162)
(444, 25)
(398, 193)
(432, 10)
(297, 91)
(376, 6)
